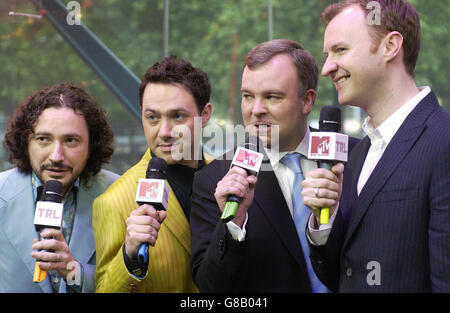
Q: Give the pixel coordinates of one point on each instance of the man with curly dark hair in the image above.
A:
(58, 133)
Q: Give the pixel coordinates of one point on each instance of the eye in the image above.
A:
(273, 97)
(42, 139)
(341, 50)
(179, 116)
(246, 97)
(151, 117)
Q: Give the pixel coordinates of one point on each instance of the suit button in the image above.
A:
(221, 245)
(132, 288)
(349, 272)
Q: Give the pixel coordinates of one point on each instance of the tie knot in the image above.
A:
(293, 162)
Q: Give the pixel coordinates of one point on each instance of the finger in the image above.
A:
(317, 203)
(338, 169)
(321, 173)
(145, 220)
(252, 180)
(145, 209)
(162, 215)
(52, 233)
(321, 183)
(235, 190)
(238, 171)
(139, 238)
(320, 193)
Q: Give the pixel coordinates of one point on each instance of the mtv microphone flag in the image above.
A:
(153, 191)
(249, 160)
(328, 146)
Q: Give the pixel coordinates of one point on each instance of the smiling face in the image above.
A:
(270, 96)
(167, 108)
(352, 63)
(59, 146)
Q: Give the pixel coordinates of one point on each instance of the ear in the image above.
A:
(206, 114)
(392, 45)
(308, 100)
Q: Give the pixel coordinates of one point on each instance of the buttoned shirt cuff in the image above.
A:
(236, 232)
(319, 237)
(134, 267)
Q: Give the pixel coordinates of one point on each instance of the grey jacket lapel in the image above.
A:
(17, 222)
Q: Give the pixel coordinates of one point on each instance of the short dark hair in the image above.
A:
(25, 116)
(396, 15)
(173, 70)
(307, 70)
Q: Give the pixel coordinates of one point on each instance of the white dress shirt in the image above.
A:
(379, 140)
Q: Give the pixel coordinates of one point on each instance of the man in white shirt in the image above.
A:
(261, 249)
(390, 230)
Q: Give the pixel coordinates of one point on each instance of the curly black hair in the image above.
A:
(22, 123)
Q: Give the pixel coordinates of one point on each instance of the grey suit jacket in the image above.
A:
(17, 232)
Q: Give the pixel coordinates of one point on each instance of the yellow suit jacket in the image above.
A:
(169, 259)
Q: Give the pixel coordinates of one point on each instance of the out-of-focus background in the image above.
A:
(212, 34)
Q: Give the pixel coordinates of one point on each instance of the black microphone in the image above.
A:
(248, 158)
(48, 214)
(152, 190)
(328, 146)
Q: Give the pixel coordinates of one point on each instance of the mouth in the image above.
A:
(340, 80)
(168, 147)
(56, 172)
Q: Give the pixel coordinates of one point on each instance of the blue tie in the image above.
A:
(301, 215)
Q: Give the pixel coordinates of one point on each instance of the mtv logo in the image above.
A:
(328, 146)
(148, 190)
(321, 145)
(247, 157)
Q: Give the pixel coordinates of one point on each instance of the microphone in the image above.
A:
(49, 214)
(152, 190)
(250, 159)
(328, 146)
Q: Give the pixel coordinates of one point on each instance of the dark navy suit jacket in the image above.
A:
(395, 236)
(269, 260)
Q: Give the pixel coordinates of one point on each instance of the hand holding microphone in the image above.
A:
(322, 187)
(234, 193)
(53, 252)
(144, 223)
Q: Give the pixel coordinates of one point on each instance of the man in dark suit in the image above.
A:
(259, 250)
(391, 232)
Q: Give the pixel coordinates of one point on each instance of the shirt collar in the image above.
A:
(302, 148)
(389, 127)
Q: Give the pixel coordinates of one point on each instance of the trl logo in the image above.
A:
(247, 158)
(320, 145)
(148, 190)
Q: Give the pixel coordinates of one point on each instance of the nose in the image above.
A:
(57, 154)
(329, 67)
(165, 130)
(258, 108)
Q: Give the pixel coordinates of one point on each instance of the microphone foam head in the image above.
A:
(157, 168)
(53, 191)
(330, 118)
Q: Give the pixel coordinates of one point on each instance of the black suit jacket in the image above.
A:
(401, 219)
(269, 260)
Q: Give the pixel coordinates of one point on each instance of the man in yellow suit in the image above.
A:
(174, 99)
